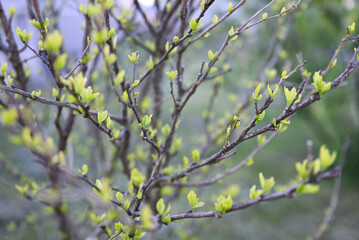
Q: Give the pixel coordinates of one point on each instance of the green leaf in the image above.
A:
(171, 75)
(150, 63)
(101, 116)
(84, 169)
(160, 206)
(10, 80)
(290, 96)
(53, 42)
(120, 77)
(326, 159)
(284, 75)
(12, 11)
(77, 83)
(87, 95)
(137, 177)
(35, 23)
(111, 33)
(302, 169)
(260, 117)
(185, 162)
(333, 63)
(54, 93)
(202, 4)
(193, 200)
(119, 227)
(9, 116)
(272, 93)
(166, 130)
(146, 120)
(3, 69)
(60, 62)
(195, 155)
(253, 193)
(266, 184)
(194, 25)
(257, 97)
(135, 83)
(230, 7)
(167, 219)
(282, 11)
(351, 28)
(231, 32)
(211, 55)
(109, 123)
(134, 57)
(215, 19)
(22, 190)
(125, 96)
(222, 204)
(264, 16)
(307, 189)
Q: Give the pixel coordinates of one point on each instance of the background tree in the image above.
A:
(150, 123)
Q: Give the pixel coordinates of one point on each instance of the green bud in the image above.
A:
(194, 25)
(12, 11)
(101, 116)
(351, 28)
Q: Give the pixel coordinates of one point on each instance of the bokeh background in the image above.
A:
(315, 31)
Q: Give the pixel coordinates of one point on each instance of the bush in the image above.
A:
(117, 127)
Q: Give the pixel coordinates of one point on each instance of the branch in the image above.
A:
(287, 193)
(334, 198)
(54, 102)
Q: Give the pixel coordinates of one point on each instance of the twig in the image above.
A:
(334, 198)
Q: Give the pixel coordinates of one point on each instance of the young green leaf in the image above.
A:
(101, 116)
(137, 177)
(253, 193)
(171, 75)
(202, 4)
(10, 80)
(84, 169)
(194, 25)
(53, 41)
(3, 69)
(307, 189)
(257, 97)
(231, 32)
(60, 62)
(222, 204)
(230, 7)
(211, 55)
(119, 196)
(215, 19)
(195, 155)
(326, 159)
(260, 117)
(351, 28)
(264, 16)
(266, 184)
(166, 130)
(193, 200)
(272, 93)
(134, 57)
(161, 208)
(290, 96)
